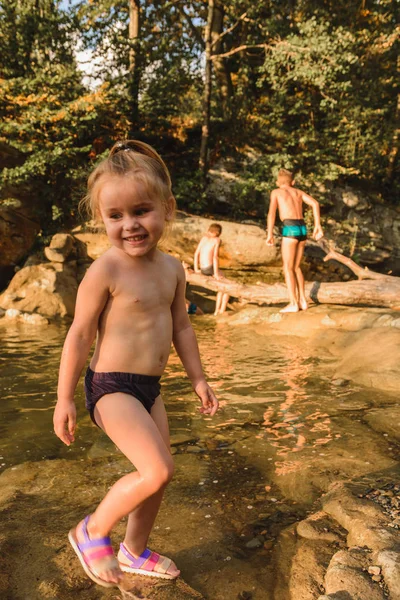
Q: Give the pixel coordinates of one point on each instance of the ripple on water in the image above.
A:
(270, 392)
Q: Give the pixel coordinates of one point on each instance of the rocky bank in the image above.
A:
(346, 548)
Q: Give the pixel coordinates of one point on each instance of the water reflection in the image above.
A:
(269, 392)
(284, 433)
(287, 425)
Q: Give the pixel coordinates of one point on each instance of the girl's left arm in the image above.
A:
(185, 343)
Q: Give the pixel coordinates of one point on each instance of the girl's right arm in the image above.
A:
(92, 296)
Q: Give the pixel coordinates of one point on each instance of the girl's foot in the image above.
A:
(96, 556)
(290, 308)
(148, 563)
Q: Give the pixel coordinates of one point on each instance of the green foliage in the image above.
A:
(314, 88)
(47, 114)
(190, 194)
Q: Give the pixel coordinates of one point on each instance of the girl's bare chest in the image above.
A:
(143, 295)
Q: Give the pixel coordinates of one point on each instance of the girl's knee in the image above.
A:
(159, 478)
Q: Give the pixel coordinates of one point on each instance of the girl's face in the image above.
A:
(134, 221)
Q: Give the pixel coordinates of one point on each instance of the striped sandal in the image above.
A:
(95, 555)
(148, 563)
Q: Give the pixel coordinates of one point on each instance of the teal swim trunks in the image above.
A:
(294, 228)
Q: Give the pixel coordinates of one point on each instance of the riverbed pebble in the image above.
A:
(388, 498)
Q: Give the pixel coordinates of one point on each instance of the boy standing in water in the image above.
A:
(289, 201)
(206, 261)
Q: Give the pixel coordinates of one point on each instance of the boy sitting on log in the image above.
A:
(289, 201)
(206, 262)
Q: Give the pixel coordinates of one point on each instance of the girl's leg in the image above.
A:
(141, 520)
(299, 275)
(131, 428)
(289, 250)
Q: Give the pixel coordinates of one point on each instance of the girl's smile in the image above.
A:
(134, 221)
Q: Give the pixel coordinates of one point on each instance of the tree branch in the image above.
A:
(238, 49)
(192, 27)
(361, 273)
(221, 35)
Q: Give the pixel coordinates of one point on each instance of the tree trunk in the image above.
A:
(220, 65)
(374, 292)
(203, 163)
(134, 63)
(371, 289)
(394, 151)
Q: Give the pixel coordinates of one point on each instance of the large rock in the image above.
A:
(61, 246)
(242, 245)
(48, 289)
(19, 223)
(368, 526)
(17, 235)
(311, 558)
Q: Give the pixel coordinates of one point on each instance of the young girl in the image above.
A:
(133, 298)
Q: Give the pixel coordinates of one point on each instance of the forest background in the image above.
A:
(310, 85)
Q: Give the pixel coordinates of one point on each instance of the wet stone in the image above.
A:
(256, 542)
(320, 527)
(340, 382)
(194, 449)
(268, 544)
(181, 438)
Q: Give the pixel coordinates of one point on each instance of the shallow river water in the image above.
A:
(285, 431)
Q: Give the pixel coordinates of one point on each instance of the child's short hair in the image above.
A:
(130, 158)
(285, 177)
(215, 228)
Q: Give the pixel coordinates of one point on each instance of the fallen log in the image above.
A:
(371, 289)
(371, 292)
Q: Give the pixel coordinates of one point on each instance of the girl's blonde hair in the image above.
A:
(135, 159)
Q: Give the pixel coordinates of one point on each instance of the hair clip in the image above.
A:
(121, 146)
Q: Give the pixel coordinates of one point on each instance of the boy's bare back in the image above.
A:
(207, 248)
(290, 202)
(133, 309)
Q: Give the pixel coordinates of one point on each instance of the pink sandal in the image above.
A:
(148, 563)
(98, 550)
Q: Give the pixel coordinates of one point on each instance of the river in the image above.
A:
(285, 431)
